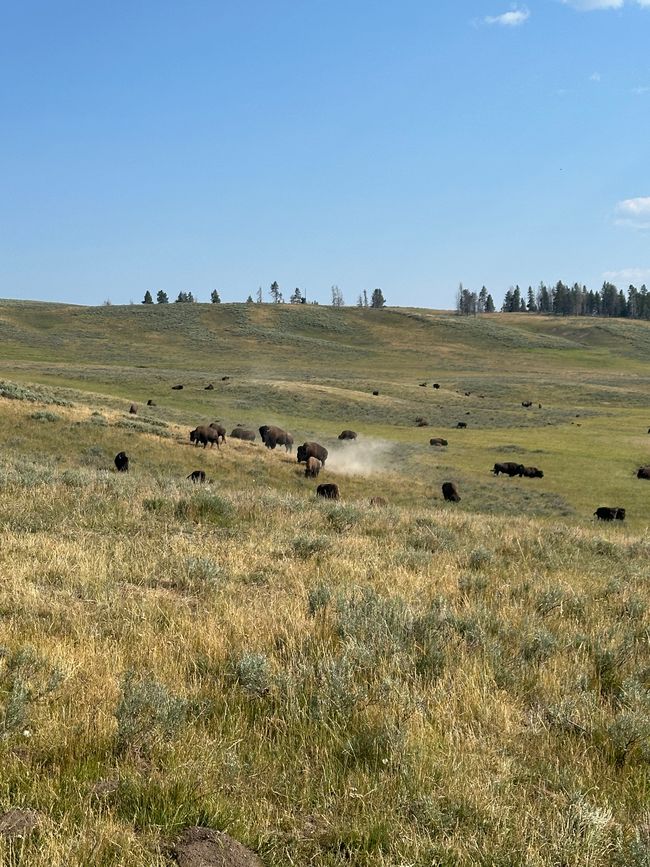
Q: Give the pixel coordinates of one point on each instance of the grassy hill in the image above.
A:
(332, 683)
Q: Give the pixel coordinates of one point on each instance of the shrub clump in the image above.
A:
(147, 710)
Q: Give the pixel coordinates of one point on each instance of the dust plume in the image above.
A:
(365, 458)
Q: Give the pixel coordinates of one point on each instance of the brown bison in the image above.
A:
(422, 384)
(378, 501)
(177, 387)
(347, 435)
(421, 422)
(311, 450)
(197, 476)
(204, 434)
(609, 513)
(121, 462)
(133, 409)
(643, 473)
(438, 441)
(329, 491)
(274, 436)
(526, 403)
(509, 468)
(436, 385)
(461, 424)
(151, 403)
(532, 473)
(375, 394)
(450, 492)
(241, 433)
(312, 468)
(220, 429)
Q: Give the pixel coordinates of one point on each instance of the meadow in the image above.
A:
(332, 683)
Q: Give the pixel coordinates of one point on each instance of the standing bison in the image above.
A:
(450, 492)
(643, 473)
(241, 433)
(197, 476)
(312, 468)
(347, 435)
(220, 429)
(461, 424)
(311, 450)
(438, 441)
(133, 409)
(609, 513)
(274, 436)
(205, 434)
(509, 469)
(121, 462)
(330, 491)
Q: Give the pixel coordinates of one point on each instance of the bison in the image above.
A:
(643, 473)
(133, 409)
(532, 473)
(509, 468)
(225, 378)
(609, 513)
(209, 387)
(177, 387)
(436, 385)
(526, 403)
(420, 421)
(461, 424)
(151, 402)
(438, 441)
(241, 433)
(220, 429)
(347, 435)
(329, 491)
(422, 384)
(311, 450)
(197, 476)
(312, 468)
(121, 462)
(204, 434)
(375, 394)
(274, 436)
(378, 501)
(450, 492)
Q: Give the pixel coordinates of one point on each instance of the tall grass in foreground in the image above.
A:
(330, 682)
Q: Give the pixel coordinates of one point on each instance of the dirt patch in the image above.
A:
(19, 823)
(203, 847)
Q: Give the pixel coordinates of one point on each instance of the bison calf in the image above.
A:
(450, 492)
(122, 462)
(312, 468)
(532, 473)
(329, 491)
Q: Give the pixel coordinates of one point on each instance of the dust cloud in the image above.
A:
(366, 458)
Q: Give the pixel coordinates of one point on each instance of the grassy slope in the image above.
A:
(334, 684)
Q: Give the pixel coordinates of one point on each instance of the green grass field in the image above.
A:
(332, 683)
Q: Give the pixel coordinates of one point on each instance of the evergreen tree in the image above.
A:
(377, 300)
(258, 297)
(543, 299)
(276, 295)
(147, 298)
(531, 306)
(506, 307)
(482, 299)
(214, 297)
(249, 300)
(365, 298)
(296, 297)
(489, 304)
(360, 301)
(161, 297)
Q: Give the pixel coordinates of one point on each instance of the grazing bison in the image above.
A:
(509, 469)
(133, 409)
(209, 387)
(122, 462)
(421, 422)
(643, 473)
(423, 385)
(450, 492)
(609, 513)
(197, 476)
(225, 378)
(347, 435)
(329, 491)
(151, 402)
(220, 429)
(312, 468)
(241, 433)
(461, 424)
(204, 434)
(532, 473)
(312, 450)
(274, 436)
(378, 501)
(526, 403)
(438, 441)
(177, 387)
(436, 385)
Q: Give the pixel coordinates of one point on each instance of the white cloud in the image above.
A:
(595, 76)
(509, 19)
(591, 5)
(635, 276)
(634, 212)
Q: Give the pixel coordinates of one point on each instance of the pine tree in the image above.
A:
(249, 300)
(214, 297)
(296, 298)
(377, 300)
(489, 304)
(276, 295)
(161, 297)
(147, 298)
(531, 306)
(482, 299)
(365, 298)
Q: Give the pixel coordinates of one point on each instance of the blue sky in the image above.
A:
(407, 145)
